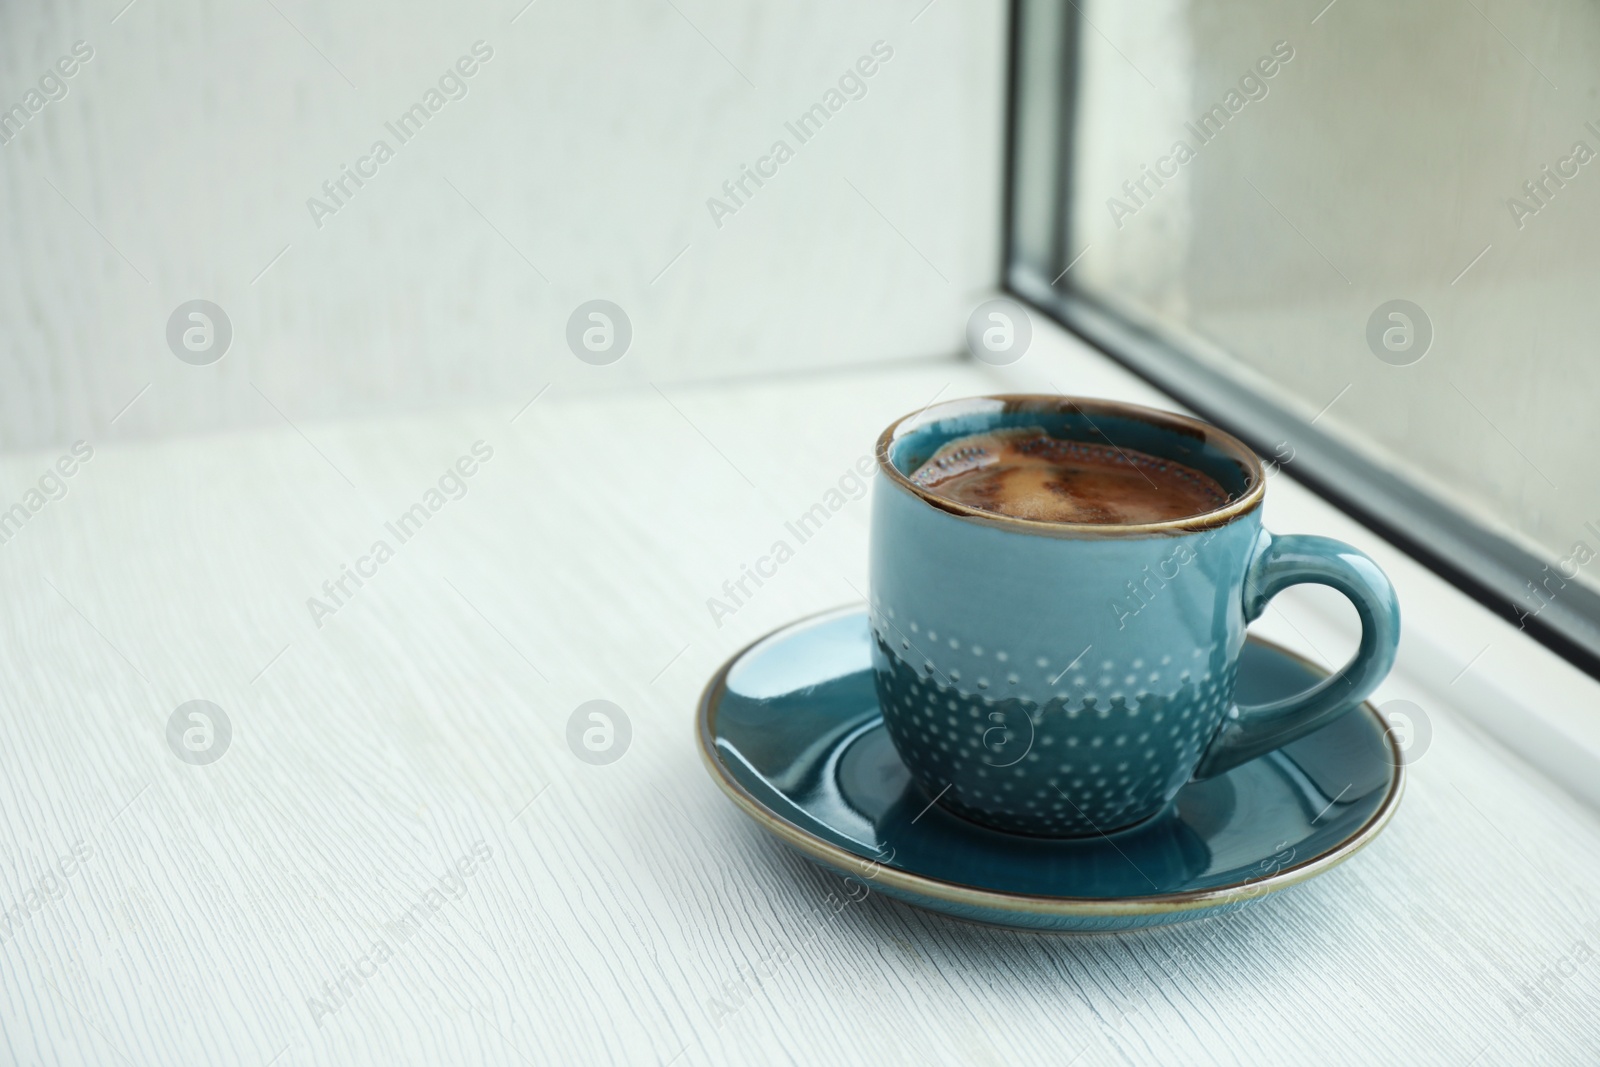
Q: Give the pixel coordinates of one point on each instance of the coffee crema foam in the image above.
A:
(1027, 474)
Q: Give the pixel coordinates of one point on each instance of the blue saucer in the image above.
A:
(790, 730)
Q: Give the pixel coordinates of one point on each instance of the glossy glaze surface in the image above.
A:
(1067, 679)
(791, 730)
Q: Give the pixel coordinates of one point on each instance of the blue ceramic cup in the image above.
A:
(1064, 679)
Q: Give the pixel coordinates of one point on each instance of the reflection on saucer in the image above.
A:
(1160, 855)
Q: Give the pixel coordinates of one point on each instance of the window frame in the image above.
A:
(1493, 569)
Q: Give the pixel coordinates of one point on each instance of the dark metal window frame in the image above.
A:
(1496, 571)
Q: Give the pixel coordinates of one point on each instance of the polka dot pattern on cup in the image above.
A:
(1032, 746)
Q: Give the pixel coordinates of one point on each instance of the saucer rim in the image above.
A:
(963, 895)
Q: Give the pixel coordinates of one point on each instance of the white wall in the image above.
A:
(584, 151)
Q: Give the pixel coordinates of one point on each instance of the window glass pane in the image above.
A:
(1385, 216)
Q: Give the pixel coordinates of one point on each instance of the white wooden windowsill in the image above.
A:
(628, 912)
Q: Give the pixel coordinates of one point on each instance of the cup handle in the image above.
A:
(1278, 563)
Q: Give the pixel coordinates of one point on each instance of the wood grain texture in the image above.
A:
(577, 165)
(626, 913)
